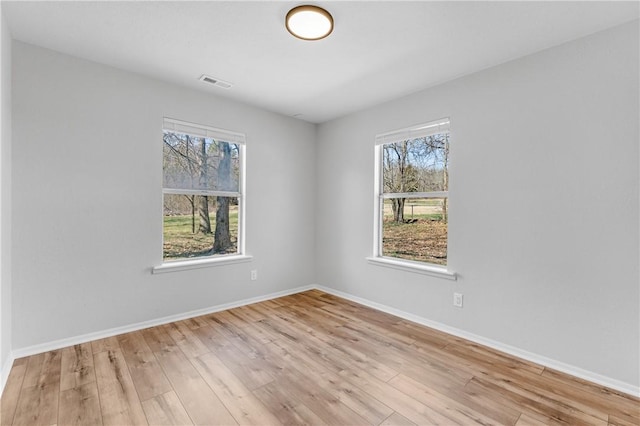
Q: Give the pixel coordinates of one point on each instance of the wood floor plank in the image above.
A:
(200, 402)
(257, 334)
(543, 386)
(166, 410)
(396, 419)
(147, 376)
(43, 368)
(253, 373)
(235, 317)
(106, 344)
(329, 356)
(618, 421)
(361, 314)
(39, 398)
(195, 322)
(452, 409)
(190, 345)
(323, 403)
(11, 391)
(371, 409)
(526, 420)
(386, 359)
(270, 327)
(243, 405)
(248, 313)
(378, 329)
(532, 406)
(625, 407)
(276, 303)
(158, 340)
(353, 348)
(118, 397)
(247, 324)
(340, 356)
(287, 408)
(38, 405)
(211, 338)
(487, 405)
(423, 335)
(314, 318)
(235, 335)
(467, 364)
(545, 394)
(402, 358)
(414, 410)
(76, 366)
(229, 317)
(80, 405)
(490, 357)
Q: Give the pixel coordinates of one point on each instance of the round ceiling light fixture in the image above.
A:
(309, 22)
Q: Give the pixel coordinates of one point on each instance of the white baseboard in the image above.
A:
(70, 341)
(4, 373)
(511, 350)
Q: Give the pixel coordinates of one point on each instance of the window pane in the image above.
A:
(196, 226)
(192, 162)
(416, 165)
(415, 229)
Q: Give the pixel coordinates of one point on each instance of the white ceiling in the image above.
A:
(377, 52)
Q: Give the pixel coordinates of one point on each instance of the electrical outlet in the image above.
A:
(254, 275)
(457, 300)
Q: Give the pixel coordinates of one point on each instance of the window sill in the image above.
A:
(183, 265)
(416, 267)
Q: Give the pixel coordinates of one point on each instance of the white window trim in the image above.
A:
(378, 259)
(203, 131)
(214, 260)
(416, 267)
(200, 262)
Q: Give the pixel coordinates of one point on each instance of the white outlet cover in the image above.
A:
(457, 300)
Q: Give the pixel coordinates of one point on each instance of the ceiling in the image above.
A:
(378, 51)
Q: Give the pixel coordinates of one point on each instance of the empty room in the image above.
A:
(335, 212)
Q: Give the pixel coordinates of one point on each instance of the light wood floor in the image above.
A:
(310, 358)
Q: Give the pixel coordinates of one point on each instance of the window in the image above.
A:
(412, 193)
(203, 195)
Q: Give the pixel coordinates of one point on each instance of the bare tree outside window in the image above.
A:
(201, 185)
(414, 193)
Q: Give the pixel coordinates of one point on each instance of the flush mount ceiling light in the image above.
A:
(309, 22)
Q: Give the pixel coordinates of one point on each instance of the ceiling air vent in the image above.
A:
(216, 81)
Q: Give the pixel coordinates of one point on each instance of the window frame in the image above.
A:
(413, 132)
(239, 139)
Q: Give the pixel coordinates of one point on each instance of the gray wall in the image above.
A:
(543, 204)
(87, 200)
(5, 198)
